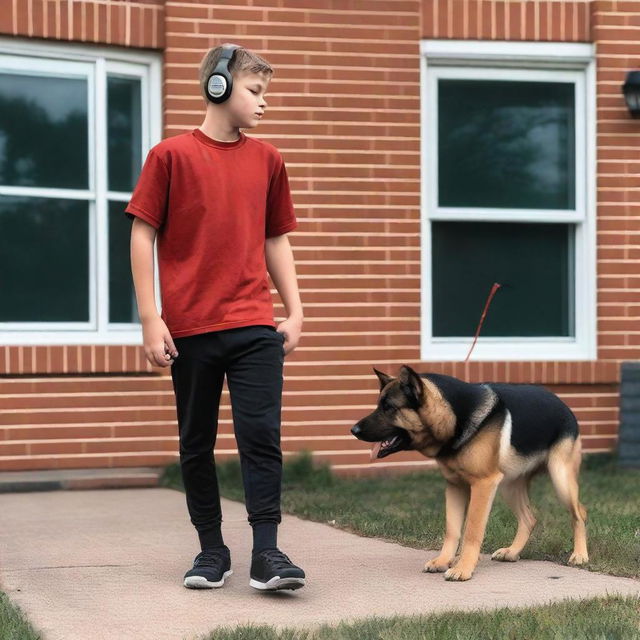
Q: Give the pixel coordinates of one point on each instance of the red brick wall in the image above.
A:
(535, 20)
(352, 151)
(115, 22)
(616, 30)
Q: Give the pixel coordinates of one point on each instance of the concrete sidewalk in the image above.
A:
(109, 565)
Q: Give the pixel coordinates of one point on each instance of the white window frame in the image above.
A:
(554, 62)
(94, 64)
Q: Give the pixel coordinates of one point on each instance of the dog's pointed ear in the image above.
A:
(411, 385)
(383, 377)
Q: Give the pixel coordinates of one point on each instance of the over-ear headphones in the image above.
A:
(220, 82)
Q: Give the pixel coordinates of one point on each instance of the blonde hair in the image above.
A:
(243, 60)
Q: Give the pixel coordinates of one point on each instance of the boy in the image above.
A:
(221, 207)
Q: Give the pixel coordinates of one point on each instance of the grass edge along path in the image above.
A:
(610, 618)
(13, 622)
(409, 509)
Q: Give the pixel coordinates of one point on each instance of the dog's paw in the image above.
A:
(505, 555)
(437, 565)
(458, 573)
(578, 559)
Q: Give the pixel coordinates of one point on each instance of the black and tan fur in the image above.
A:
(484, 437)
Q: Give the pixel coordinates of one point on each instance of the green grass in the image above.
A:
(13, 624)
(409, 509)
(612, 618)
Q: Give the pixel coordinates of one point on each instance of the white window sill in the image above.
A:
(125, 336)
(503, 349)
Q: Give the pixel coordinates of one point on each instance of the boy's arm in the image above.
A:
(281, 268)
(154, 330)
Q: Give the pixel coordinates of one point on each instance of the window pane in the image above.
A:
(122, 301)
(125, 130)
(43, 131)
(44, 260)
(532, 262)
(506, 144)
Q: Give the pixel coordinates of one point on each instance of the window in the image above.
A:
(75, 124)
(508, 196)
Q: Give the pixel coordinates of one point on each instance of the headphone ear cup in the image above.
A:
(220, 82)
(219, 87)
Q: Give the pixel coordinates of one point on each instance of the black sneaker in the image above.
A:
(210, 568)
(271, 570)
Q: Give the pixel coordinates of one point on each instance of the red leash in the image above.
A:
(494, 289)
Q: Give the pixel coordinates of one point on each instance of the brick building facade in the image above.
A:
(350, 108)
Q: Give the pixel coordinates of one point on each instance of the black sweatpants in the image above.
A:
(252, 359)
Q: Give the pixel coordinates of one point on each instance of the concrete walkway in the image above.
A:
(109, 564)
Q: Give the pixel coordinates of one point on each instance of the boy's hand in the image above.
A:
(292, 328)
(158, 343)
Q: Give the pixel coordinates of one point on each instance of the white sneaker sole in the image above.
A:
(277, 583)
(200, 582)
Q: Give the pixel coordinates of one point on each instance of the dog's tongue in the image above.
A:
(375, 450)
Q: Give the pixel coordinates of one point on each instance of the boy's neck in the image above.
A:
(219, 130)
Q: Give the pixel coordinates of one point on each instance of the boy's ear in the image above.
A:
(383, 377)
(411, 386)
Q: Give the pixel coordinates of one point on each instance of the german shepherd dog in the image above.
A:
(483, 437)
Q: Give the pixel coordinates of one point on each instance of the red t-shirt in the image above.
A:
(213, 204)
